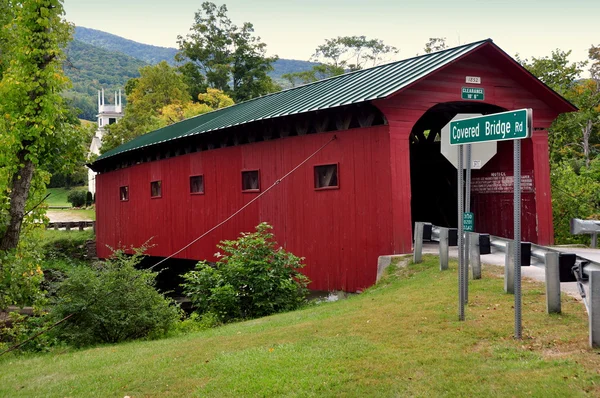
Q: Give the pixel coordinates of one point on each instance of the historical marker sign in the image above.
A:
(468, 222)
(472, 93)
(512, 125)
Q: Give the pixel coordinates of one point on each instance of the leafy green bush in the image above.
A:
(112, 303)
(19, 327)
(197, 323)
(21, 276)
(575, 194)
(77, 198)
(251, 279)
(89, 198)
(65, 244)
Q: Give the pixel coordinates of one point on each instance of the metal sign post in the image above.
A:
(461, 279)
(467, 237)
(511, 125)
(517, 236)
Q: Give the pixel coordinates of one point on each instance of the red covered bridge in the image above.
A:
(358, 197)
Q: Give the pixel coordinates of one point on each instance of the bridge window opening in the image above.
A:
(326, 176)
(124, 193)
(197, 184)
(250, 181)
(156, 189)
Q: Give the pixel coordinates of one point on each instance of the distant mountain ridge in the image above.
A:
(144, 52)
(154, 54)
(97, 59)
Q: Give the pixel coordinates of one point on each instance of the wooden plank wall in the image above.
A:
(340, 232)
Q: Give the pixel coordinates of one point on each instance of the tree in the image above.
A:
(318, 72)
(209, 101)
(571, 134)
(159, 97)
(158, 86)
(555, 71)
(37, 130)
(231, 58)
(435, 44)
(340, 54)
(353, 52)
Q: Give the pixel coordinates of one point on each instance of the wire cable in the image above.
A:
(247, 204)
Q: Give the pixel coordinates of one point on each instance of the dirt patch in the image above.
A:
(66, 216)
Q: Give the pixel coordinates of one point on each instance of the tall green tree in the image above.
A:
(157, 98)
(556, 71)
(158, 86)
(435, 44)
(571, 135)
(353, 52)
(230, 57)
(574, 139)
(37, 130)
(341, 54)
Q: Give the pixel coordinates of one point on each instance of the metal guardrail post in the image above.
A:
(552, 283)
(475, 255)
(594, 308)
(509, 268)
(418, 244)
(443, 249)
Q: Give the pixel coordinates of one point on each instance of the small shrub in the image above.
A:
(89, 199)
(76, 198)
(113, 303)
(61, 244)
(252, 279)
(17, 328)
(197, 323)
(21, 276)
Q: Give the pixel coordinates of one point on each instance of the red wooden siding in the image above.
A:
(341, 232)
(505, 88)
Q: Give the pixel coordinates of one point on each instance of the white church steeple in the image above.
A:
(107, 114)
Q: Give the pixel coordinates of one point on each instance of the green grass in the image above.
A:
(401, 338)
(58, 196)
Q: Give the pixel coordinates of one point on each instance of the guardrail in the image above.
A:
(68, 225)
(559, 267)
(588, 227)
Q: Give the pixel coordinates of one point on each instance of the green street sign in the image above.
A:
(472, 93)
(511, 125)
(468, 222)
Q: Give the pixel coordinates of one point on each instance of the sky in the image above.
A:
(292, 29)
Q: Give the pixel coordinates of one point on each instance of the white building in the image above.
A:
(107, 114)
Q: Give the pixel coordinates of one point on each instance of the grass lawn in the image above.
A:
(58, 196)
(401, 338)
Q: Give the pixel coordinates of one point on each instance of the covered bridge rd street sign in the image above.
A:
(512, 125)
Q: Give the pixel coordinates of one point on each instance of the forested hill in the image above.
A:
(98, 60)
(154, 54)
(91, 68)
(144, 52)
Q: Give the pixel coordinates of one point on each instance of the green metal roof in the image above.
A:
(350, 88)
